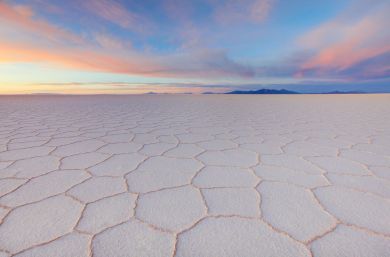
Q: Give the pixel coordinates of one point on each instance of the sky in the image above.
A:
(183, 46)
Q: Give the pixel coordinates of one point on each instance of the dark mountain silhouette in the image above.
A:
(344, 92)
(263, 91)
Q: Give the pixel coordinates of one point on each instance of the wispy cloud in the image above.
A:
(116, 13)
(110, 42)
(24, 18)
(191, 65)
(341, 45)
(201, 40)
(109, 54)
(233, 11)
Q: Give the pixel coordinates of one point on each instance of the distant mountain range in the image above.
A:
(263, 91)
(266, 91)
(344, 92)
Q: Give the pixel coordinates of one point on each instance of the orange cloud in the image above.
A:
(200, 64)
(43, 42)
(75, 58)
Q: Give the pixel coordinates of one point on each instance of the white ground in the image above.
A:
(195, 176)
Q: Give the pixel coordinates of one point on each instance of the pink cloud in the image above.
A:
(109, 42)
(260, 10)
(341, 44)
(115, 12)
(23, 17)
(39, 41)
(178, 9)
(205, 64)
(232, 11)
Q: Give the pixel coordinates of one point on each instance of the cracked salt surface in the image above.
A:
(190, 176)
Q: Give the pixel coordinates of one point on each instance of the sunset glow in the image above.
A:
(101, 46)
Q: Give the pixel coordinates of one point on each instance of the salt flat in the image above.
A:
(189, 175)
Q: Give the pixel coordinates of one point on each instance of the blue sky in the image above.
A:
(104, 46)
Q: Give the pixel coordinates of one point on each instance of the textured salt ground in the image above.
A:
(190, 176)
